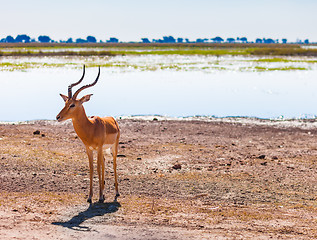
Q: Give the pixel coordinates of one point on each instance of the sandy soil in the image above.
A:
(190, 179)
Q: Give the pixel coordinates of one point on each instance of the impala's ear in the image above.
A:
(85, 98)
(65, 98)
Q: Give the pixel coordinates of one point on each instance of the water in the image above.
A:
(184, 86)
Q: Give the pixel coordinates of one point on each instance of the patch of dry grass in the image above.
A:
(45, 201)
(197, 214)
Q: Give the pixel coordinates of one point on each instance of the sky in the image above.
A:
(130, 20)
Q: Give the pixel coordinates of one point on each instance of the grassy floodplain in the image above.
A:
(110, 49)
(205, 56)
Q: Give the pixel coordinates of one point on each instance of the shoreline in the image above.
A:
(302, 123)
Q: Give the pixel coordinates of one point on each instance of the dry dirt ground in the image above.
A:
(178, 180)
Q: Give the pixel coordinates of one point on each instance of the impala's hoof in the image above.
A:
(102, 199)
(116, 197)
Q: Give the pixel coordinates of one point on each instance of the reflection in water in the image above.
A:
(34, 93)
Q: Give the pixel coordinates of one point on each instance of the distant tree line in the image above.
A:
(218, 39)
(23, 38)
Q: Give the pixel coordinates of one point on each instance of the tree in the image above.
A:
(201, 40)
(258, 40)
(80, 40)
(168, 39)
(244, 39)
(231, 40)
(22, 38)
(9, 39)
(217, 39)
(113, 40)
(44, 39)
(91, 39)
(269, 40)
(69, 40)
(145, 40)
(284, 40)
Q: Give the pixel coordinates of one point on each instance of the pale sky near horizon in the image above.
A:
(132, 20)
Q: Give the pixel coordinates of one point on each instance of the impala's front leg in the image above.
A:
(91, 172)
(101, 174)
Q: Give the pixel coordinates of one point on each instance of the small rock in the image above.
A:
(264, 163)
(261, 156)
(274, 157)
(37, 132)
(177, 166)
(43, 135)
(291, 166)
(121, 155)
(139, 158)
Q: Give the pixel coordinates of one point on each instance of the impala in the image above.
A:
(95, 133)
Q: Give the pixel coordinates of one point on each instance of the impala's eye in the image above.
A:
(71, 106)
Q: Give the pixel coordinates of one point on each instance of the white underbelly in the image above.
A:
(105, 146)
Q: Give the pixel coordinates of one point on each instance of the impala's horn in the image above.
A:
(74, 84)
(87, 86)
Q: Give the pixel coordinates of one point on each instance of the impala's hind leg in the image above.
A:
(101, 174)
(114, 155)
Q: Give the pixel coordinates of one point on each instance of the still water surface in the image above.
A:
(34, 93)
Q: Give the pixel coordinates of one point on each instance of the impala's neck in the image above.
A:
(81, 124)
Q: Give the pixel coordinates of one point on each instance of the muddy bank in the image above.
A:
(233, 178)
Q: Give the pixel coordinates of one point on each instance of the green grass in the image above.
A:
(288, 51)
(283, 60)
(185, 51)
(9, 66)
(288, 68)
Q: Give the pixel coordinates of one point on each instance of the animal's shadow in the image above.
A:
(95, 209)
